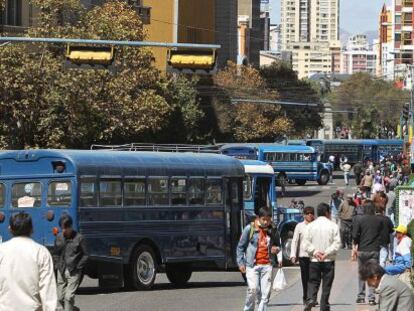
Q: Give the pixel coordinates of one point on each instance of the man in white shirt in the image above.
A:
(26, 270)
(298, 252)
(322, 242)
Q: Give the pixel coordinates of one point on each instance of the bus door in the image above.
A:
(59, 200)
(262, 193)
(234, 218)
(4, 212)
(27, 196)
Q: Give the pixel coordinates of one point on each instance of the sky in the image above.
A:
(357, 16)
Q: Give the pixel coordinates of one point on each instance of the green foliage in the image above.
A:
(280, 77)
(376, 103)
(43, 104)
(251, 121)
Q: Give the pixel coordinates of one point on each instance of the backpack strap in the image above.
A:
(251, 230)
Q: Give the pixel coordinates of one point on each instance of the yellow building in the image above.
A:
(184, 21)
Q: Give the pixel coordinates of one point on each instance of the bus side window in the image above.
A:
(247, 187)
(110, 193)
(59, 193)
(26, 194)
(134, 192)
(196, 191)
(2, 197)
(279, 157)
(158, 191)
(178, 191)
(214, 191)
(88, 193)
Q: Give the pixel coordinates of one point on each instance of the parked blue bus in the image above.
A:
(140, 212)
(295, 163)
(356, 150)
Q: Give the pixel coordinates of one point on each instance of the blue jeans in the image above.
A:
(259, 281)
(346, 178)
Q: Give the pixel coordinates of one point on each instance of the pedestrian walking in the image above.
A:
(367, 183)
(346, 168)
(71, 256)
(27, 279)
(257, 256)
(358, 168)
(394, 295)
(336, 200)
(322, 242)
(406, 172)
(366, 234)
(346, 213)
(387, 229)
(298, 252)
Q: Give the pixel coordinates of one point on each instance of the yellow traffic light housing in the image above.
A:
(90, 57)
(192, 61)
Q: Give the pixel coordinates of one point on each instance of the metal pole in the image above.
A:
(270, 102)
(110, 42)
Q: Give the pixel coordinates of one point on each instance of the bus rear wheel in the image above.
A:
(324, 178)
(142, 269)
(178, 274)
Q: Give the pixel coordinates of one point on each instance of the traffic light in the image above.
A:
(192, 61)
(406, 111)
(89, 57)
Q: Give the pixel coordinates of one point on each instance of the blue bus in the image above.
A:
(294, 163)
(140, 212)
(356, 150)
(258, 188)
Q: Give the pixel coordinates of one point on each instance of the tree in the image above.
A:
(251, 121)
(280, 77)
(43, 104)
(376, 104)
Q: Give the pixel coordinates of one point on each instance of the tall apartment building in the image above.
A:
(385, 44)
(402, 29)
(182, 21)
(310, 29)
(249, 11)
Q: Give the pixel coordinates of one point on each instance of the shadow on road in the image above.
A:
(300, 193)
(163, 286)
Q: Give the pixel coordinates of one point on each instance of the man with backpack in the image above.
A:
(257, 253)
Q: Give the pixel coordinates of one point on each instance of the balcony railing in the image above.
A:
(13, 30)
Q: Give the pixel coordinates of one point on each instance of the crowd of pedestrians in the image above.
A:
(37, 288)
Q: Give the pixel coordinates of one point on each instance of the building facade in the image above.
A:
(359, 56)
(250, 10)
(385, 48)
(310, 30)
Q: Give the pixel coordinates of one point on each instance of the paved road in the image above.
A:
(226, 291)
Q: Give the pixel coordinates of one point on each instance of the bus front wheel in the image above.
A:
(301, 182)
(143, 268)
(324, 178)
(178, 274)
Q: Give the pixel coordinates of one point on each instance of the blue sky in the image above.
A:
(357, 16)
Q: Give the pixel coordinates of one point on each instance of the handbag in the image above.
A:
(279, 283)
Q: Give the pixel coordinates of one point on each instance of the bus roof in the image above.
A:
(257, 167)
(125, 163)
(357, 141)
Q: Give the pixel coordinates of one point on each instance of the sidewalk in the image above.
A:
(343, 294)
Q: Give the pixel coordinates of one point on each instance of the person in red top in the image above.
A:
(256, 256)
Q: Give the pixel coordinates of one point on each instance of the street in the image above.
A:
(226, 290)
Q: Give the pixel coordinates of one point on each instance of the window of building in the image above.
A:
(158, 191)
(110, 193)
(134, 192)
(26, 194)
(12, 14)
(59, 193)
